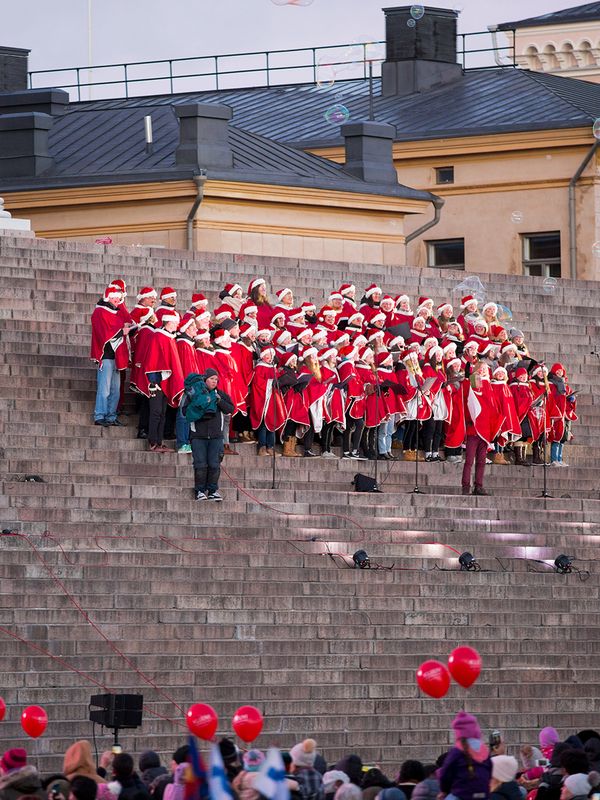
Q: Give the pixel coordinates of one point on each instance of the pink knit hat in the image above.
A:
(465, 726)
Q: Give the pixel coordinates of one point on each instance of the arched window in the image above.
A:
(585, 54)
(533, 59)
(549, 60)
(568, 56)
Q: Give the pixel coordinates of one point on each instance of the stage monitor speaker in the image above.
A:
(117, 710)
(364, 483)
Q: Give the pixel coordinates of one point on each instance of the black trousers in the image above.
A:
(370, 442)
(411, 434)
(143, 409)
(354, 431)
(170, 418)
(327, 436)
(432, 434)
(157, 407)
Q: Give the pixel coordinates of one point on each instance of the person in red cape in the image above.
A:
(257, 293)
(405, 312)
(455, 426)
(205, 355)
(124, 312)
(375, 406)
(334, 400)
(417, 407)
(267, 410)
(229, 380)
(539, 416)
(348, 292)
(313, 395)
(511, 428)
(109, 350)
(161, 377)
(145, 331)
(187, 356)
(484, 420)
(562, 404)
(245, 353)
(354, 405)
(523, 399)
(393, 401)
(438, 398)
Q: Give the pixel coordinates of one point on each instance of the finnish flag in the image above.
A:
(217, 779)
(271, 781)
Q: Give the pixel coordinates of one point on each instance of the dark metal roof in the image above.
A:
(478, 102)
(94, 145)
(585, 13)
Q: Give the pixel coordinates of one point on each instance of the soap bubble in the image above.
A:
(338, 96)
(596, 249)
(417, 11)
(596, 129)
(504, 313)
(549, 285)
(471, 285)
(337, 114)
(374, 50)
(517, 217)
(411, 23)
(325, 76)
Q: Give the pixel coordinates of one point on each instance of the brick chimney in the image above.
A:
(368, 148)
(13, 69)
(419, 56)
(24, 145)
(204, 136)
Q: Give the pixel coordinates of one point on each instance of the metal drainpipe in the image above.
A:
(493, 29)
(573, 212)
(199, 180)
(438, 203)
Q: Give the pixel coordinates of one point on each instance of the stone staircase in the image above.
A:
(119, 580)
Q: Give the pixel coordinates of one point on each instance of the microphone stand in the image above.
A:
(377, 428)
(417, 490)
(275, 390)
(545, 492)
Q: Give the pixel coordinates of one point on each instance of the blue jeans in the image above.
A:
(556, 449)
(384, 435)
(107, 391)
(207, 455)
(182, 427)
(266, 438)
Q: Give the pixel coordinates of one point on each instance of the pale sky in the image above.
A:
(56, 31)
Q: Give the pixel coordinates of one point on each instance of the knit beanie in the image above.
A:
(14, 759)
(148, 759)
(304, 753)
(332, 777)
(253, 759)
(228, 750)
(578, 784)
(465, 726)
(504, 768)
(548, 737)
(210, 373)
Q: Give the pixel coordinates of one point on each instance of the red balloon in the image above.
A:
(464, 664)
(247, 723)
(433, 678)
(2, 709)
(202, 720)
(34, 721)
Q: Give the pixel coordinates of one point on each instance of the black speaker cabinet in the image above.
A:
(117, 710)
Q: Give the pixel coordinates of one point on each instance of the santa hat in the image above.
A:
(402, 298)
(486, 348)
(409, 355)
(308, 306)
(370, 290)
(286, 359)
(265, 332)
(278, 314)
(268, 350)
(282, 338)
(347, 289)
(13, 759)
(507, 347)
(468, 298)
(221, 336)
(248, 308)
(522, 373)
(232, 288)
(421, 322)
(454, 362)
(199, 300)
(202, 335)
(382, 359)
(112, 293)
(167, 292)
(387, 300)
(120, 284)
(141, 315)
(348, 351)
(444, 306)
(310, 352)
(465, 726)
(364, 351)
(375, 333)
(186, 321)
(304, 753)
(327, 353)
(436, 350)
(165, 315)
(490, 305)
(340, 338)
(202, 314)
(223, 312)
(255, 283)
(471, 345)
(450, 348)
(296, 313)
(455, 323)
(425, 301)
(146, 291)
(379, 317)
(304, 332)
(359, 340)
(356, 318)
(396, 342)
(480, 323)
(496, 330)
(335, 296)
(246, 328)
(328, 311)
(430, 341)
(319, 336)
(500, 374)
(282, 293)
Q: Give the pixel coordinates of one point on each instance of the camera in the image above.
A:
(495, 739)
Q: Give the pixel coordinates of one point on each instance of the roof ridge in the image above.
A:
(534, 75)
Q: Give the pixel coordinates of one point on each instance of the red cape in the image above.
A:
(162, 356)
(107, 325)
(266, 402)
(484, 412)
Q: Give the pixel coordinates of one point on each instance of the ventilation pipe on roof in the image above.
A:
(438, 204)
(493, 29)
(573, 210)
(199, 180)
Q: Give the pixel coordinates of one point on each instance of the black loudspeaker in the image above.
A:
(117, 710)
(364, 483)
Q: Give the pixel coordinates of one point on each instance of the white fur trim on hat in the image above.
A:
(310, 351)
(147, 291)
(371, 290)
(490, 305)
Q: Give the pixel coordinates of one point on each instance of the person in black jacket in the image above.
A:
(206, 438)
(132, 787)
(503, 785)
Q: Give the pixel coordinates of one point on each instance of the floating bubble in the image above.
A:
(472, 285)
(337, 114)
(504, 313)
(417, 11)
(549, 285)
(596, 249)
(325, 76)
(373, 50)
(596, 129)
(411, 23)
(338, 96)
(517, 217)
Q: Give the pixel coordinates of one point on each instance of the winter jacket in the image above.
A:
(78, 761)
(21, 781)
(507, 791)
(210, 426)
(456, 779)
(132, 788)
(426, 790)
(151, 774)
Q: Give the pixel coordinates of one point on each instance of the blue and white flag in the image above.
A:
(271, 781)
(217, 778)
